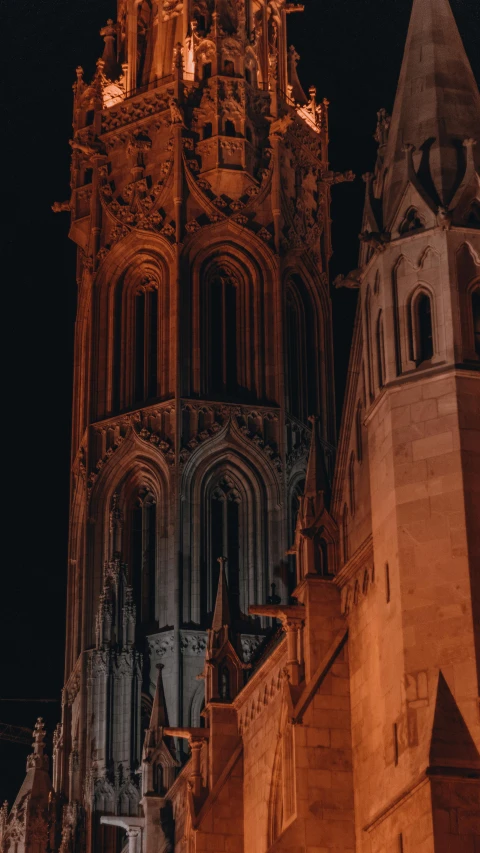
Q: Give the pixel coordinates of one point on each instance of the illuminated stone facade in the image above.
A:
(314, 690)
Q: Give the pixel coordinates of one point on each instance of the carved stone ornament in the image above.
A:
(161, 644)
(193, 643)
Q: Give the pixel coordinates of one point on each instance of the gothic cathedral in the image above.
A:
(273, 640)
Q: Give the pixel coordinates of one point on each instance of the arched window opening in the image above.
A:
(224, 686)
(476, 318)
(358, 432)
(368, 325)
(424, 325)
(345, 533)
(411, 222)
(380, 352)
(207, 70)
(473, 219)
(248, 134)
(207, 130)
(351, 483)
(139, 346)
(117, 351)
(230, 128)
(229, 68)
(146, 344)
(301, 353)
(225, 540)
(320, 551)
(143, 555)
(220, 335)
(248, 75)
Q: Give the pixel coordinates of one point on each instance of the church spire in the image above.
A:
(437, 107)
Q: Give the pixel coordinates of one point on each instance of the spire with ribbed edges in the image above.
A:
(316, 479)
(221, 614)
(437, 107)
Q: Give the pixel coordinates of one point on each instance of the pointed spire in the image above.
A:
(316, 480)
(437, 107)
(221, 614)
(159, 716)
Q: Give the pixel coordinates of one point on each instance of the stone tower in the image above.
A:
(200, 208)
(406, 488)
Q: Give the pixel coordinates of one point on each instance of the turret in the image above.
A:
(27, 828)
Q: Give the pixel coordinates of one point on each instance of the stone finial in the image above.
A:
(37, 757)
(111, 67)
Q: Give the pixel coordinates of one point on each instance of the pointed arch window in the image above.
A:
(143, 547)
(476, 318)
(225, 523)
(368, 330)
(425, 327)
(380, 351)
(351, 483)
(220, 327)
(358, 432)
(146, 344)
(135, 344)
(411, 222)
(345, 533)
(301, 352)
(421, 327)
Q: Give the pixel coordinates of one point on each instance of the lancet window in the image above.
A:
(227, 334)
(351, 483)
(224, 538)
(421, 327)
(143, 556)
(135, 347)
(380, 351)
(233, 526)
(301, 371)
(358, 432)
(345, 533)
(476, 318)
(425, 327)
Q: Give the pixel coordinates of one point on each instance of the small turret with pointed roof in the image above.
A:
(437, 108)
(315, 532)
(32, 804)
(158, 751)
(316, 479)
(223, 671)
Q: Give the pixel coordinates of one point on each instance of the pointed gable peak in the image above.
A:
(221, 614)
(437, 107)
(316, 479)
(159, 716)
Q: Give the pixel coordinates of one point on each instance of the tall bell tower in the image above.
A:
(200, 207)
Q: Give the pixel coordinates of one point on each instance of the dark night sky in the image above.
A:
(351, 50)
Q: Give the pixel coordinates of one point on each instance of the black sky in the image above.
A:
(351, 50)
